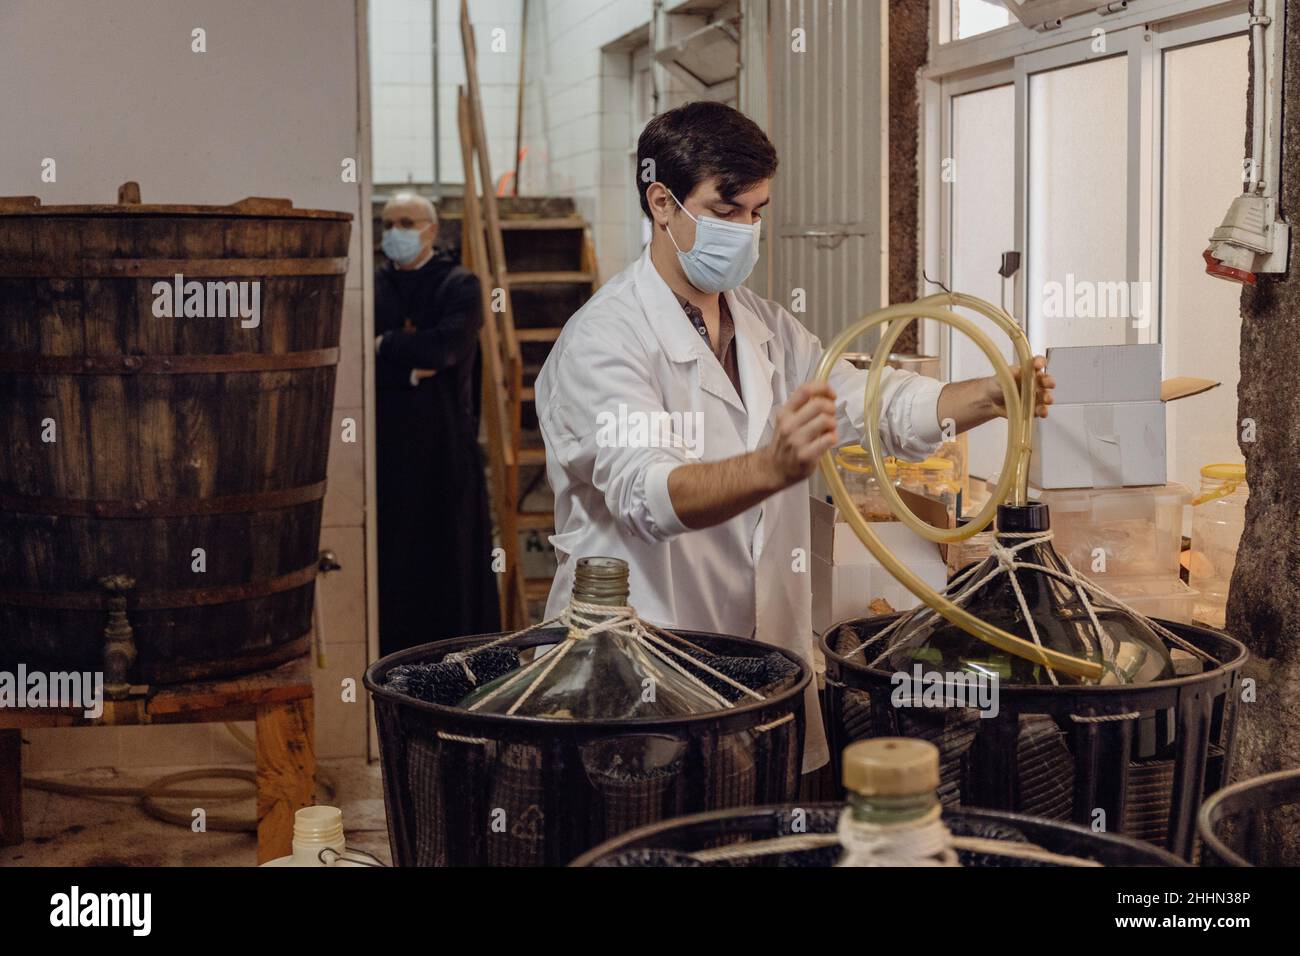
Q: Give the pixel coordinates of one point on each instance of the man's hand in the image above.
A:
(805, 430)
(978, 400)
(705, 494)
(1043, 385)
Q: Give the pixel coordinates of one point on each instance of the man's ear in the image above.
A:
(661, 203)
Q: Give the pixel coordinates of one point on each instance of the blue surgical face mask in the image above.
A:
(724, 253)
(401, 245)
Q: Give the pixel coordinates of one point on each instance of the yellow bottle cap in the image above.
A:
(1224, 472)
(856, 458)
(939, 464)
(891, 767)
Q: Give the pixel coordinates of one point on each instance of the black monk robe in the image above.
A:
(435, 537)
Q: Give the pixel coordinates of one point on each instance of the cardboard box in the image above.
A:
(1092, 374)
(1106, 427)
(1102, 445)
(846, 577)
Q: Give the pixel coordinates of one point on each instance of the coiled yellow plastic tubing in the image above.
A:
(1013, 481)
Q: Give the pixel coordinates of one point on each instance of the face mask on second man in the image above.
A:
(401, 245)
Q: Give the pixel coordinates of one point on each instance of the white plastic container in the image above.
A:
(1167, 598)
(1218, 517)
(1111, 533)
(316, 829)
(846, 577)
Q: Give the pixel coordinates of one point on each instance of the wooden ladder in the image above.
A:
(553, 273)
(536, 265)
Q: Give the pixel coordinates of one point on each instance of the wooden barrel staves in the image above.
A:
(166, 387)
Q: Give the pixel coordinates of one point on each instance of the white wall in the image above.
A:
(400, 55)
(578, 124)
(112, 92)
(1201, 324)
(576, 115)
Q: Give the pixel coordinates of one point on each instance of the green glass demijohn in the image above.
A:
(604, 675)
(1130, 651)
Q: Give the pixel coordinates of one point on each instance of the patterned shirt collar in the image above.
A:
(726, 325)
(725, 352)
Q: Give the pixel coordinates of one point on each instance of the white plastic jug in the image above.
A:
(316, 829)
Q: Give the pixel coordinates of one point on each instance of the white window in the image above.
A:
(1078, 191)
(981, 177)
(1103, 153)
(972, 17)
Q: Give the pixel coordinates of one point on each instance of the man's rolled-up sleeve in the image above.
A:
(909, 405)
(909, 409)
(606, 425)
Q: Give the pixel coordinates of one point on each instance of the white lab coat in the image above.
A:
(633, 346)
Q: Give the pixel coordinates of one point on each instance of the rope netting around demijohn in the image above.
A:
(583, 622)
(1095, 616)
(608, 663)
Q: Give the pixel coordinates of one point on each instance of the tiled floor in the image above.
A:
(115, 831)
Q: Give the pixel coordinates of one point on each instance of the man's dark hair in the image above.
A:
(699, 141)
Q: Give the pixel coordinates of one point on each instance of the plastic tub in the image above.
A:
(1218, 517)
(1111, 533)
(859, 476)
(1166, 598)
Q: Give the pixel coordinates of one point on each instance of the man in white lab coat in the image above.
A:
(680, 423)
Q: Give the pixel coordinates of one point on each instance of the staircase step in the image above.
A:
(550, 278)
(538, 335)
(569, 222)
(535, 520)
(532, 456)
(537, 589)
(510, 207)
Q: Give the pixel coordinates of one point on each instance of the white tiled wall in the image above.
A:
(401, 105)
(577, 125)
(577, 117)
(401, 40)
(271, 109)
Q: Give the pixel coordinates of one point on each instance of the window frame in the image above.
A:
(1011, 55)
(953, 89)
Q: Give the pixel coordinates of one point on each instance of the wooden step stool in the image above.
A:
(279, 701)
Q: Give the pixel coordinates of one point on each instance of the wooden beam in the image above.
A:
(519, 104)
(501, 438)
(286, 773)
(11, 787)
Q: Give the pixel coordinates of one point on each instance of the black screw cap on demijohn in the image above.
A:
(1129, 650)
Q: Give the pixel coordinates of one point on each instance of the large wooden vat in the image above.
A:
(178, 462)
